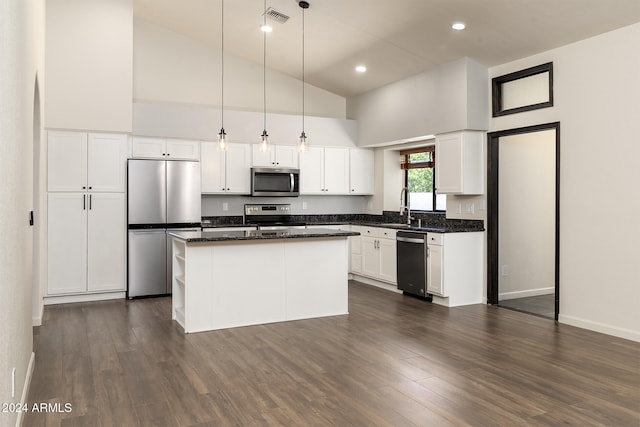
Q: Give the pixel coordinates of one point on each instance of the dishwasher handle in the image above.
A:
(410, 240)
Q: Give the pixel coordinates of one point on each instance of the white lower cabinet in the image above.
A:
(455, 268)
(86, 243)
(435, 284)
(377, 254)
(355, 251)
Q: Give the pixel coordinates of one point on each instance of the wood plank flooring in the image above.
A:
(393, 361)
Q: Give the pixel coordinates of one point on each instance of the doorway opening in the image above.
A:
(523, 219)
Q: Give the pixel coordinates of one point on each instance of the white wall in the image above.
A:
(21, 50)
(451, 97)
(89, 55)
(526, 240)
(203, 122)
(171, 68)
(597, 101)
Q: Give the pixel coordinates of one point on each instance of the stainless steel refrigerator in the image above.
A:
(162, 196)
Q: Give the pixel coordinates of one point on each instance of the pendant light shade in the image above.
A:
(264, 138)
(222, 135)
(303, 144)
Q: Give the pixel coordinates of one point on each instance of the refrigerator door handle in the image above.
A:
(84, 202)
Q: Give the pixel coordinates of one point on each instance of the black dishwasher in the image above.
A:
(412, 262)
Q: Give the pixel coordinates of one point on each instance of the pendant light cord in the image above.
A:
(264, 67)
(222, 70)
(303, 70)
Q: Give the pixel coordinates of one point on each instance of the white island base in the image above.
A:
(226, 284)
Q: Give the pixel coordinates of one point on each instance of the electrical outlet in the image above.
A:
(505, 270)
(225, 206)
(470, 208)
(304, 206)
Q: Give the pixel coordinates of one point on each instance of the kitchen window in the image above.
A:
(419, 166)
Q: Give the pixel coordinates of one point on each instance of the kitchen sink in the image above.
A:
(404, 225)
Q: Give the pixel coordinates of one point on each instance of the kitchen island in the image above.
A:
(226, 279)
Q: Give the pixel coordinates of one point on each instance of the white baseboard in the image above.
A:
(376, 283)
(600, 327)
(64, 299)
(523, 294)
(25, 388)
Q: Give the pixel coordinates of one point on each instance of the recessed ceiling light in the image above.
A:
(266, 28)
(361, 68)
(458, 26)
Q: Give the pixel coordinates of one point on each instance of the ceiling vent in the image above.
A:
(274, 15)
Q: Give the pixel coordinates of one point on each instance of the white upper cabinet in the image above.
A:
(78, 162)
(161, 148)
(361, 171)
(324, 171)
(284, 156)
(226, 172)
(459, 163)
(106, 160)
(336, 170)
(312, 171)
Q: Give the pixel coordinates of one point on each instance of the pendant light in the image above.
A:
(302, 140)
(222, 135)
(264, 138)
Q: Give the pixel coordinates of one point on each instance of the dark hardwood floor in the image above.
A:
(393, 361)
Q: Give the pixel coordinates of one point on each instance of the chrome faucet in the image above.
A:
(407, 207)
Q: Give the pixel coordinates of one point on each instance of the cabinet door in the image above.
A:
(370, 257)
(336, 170)
(355, 249)
(460, 163)
(262, 158)
(212, 168)
(106, 159)
(435, 282)
(312, 171)
(183, 149)
(361, 171)
(67, 161)
(67, 243)
(449, 163)
(149, 148)
(387, 250)
(106, 230)
(238, 169)
(286, 156)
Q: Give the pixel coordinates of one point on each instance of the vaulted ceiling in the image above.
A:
(393, 38)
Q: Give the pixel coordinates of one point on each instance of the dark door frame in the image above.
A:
(493, 152)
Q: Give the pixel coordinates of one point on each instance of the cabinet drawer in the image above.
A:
(387, 233)
(369, 231)
(435, 238)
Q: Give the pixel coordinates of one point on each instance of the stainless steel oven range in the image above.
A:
(270, 217)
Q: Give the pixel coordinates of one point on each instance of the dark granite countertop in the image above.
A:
(219, 236)
(431, 222)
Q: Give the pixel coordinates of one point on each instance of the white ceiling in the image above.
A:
(393, 38)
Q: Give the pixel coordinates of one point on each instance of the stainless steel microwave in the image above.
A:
(275, 182)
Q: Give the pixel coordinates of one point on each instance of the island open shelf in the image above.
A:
(240, 278)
